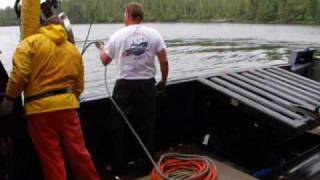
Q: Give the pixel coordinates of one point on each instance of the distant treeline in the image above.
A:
(8, 17)
(278, 11)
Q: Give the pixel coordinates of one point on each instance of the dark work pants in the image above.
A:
(137, 99)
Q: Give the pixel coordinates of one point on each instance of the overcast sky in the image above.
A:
(5, 3)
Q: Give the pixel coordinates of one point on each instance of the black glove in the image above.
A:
(6, 107)
(161, 85)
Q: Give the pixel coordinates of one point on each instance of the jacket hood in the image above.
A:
(55, 32)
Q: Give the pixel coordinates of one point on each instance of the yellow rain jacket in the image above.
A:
(45, 62)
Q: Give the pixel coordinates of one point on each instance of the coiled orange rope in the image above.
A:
(175, 166)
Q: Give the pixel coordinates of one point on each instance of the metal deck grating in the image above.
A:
(272, 91)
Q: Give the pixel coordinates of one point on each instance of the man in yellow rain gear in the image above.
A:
(49, 70)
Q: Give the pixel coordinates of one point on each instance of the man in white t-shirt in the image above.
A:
(134, 49)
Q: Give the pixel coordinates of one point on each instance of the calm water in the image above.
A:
(194, 49)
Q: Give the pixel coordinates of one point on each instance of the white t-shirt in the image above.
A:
(134, 49)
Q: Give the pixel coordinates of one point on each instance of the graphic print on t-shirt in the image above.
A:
(138, 45)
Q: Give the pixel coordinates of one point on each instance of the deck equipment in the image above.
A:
(287, 100)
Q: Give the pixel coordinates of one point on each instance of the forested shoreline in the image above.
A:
(249, 11)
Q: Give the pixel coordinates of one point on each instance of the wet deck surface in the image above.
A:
(225, 169)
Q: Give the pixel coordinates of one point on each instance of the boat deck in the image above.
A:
(226, 169)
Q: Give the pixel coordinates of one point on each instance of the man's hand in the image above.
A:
(164, 68)
(6, 107)
(161, 85)
(105, 59)
(99, 45)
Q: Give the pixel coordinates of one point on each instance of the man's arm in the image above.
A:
(19, 77)
(164, 65)
(21, 70)
(79, 82)
(104, 57)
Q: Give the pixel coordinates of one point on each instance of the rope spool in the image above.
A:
(175, 166)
